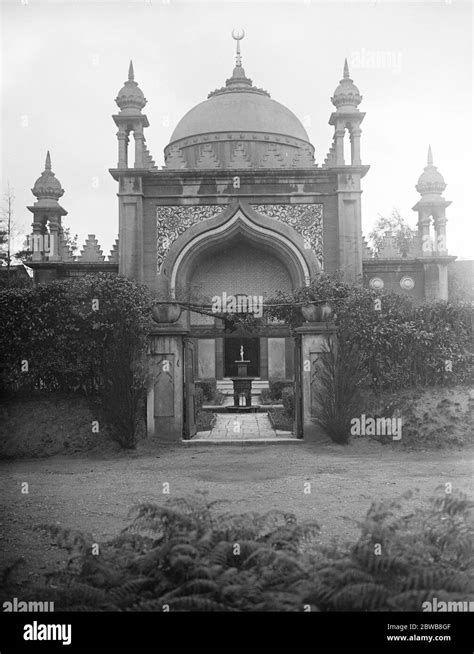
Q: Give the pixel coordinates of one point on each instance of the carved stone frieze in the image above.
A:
(306, 219)
(172, 221)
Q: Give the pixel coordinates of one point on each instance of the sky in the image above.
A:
(63, 63)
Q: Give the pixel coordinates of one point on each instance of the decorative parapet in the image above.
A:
(91, 252)
(272, 158)
(64, 250)
(306, 219)
(367, 252)
(148, 160)
(174, 158)
(330, 159)
(239, 157)
(114, 255)
(303, 159)
(208, 158)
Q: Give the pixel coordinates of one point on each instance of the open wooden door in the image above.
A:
(189, 391)
(298, 424)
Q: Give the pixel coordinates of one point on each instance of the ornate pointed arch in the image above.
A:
(234, 224)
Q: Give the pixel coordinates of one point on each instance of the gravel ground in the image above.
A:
(94, 493)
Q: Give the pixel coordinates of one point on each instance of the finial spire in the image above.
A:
(131, 75)
(47, 165)
(238, 35)
(430, 156)
(346, 69)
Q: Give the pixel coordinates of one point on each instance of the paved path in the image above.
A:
(242, 426)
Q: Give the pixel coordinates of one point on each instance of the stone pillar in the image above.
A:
(36, 241)
(122, 148)
(54, 240)
(350, 230)
(339, 141)
(131, 228)
(165, 410)
(440, 234)
(424, 221)
(355, 147)
(316, 338)
(139, 140)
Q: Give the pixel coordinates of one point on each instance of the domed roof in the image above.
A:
(347, 94)
(239, 110)
(239, 126)
(130, 98)
(47, 186)
(430, 180)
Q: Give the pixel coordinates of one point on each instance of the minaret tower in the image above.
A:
(349, 171)
(130, 101)
(346, 99)
(130, 119)
(47, 214)
(432, 213)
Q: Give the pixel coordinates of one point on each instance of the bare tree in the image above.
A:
(6, 231)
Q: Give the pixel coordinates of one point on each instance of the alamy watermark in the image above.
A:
(447, 607)
(381, 59)
(366, 426)
(40, 243)
(238, 304)
(17, 605)
(39, 631)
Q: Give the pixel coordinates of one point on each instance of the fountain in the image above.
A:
(242, 383)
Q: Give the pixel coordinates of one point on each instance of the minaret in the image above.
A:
(347, 116)
(432, 211)
(346, 99)
(131, 101)
(47, 213)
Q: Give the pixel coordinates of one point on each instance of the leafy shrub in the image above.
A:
(280, 419)
(340, 376)
(276, 388)
(401, 345)
(205, 420)
(288, 401)
(208, 388)
(403, 558)
(265, 396)
(190, 557)
(198, 398)
(82, 335)
(210, 393)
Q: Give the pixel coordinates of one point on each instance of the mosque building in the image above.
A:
(241, 208)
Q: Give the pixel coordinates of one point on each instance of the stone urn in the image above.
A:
(169, 312)
(316, 312)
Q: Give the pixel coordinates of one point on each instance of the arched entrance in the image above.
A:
(236, 254)
(241, 254)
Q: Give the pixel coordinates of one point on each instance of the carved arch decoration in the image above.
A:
(237, 222)
(305, 219)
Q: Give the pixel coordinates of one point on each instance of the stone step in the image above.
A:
(226, 386)
(230, 408)
(241, 441)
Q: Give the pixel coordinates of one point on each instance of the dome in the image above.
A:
(347, 94)
(47, 186)
(242, 111)
(130, 98)
(239, 126)
(430, 180)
